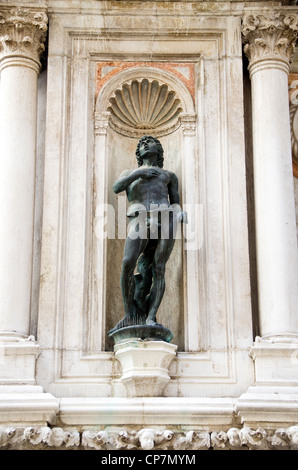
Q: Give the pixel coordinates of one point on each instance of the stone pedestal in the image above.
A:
(145, 366)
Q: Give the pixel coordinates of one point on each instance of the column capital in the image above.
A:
(270, 36)
(22, 34)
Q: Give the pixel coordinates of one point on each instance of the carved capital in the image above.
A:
(188, 124)
(101, 123)
(22, 33)
(269, 36)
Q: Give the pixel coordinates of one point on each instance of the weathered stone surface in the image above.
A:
(55, 217)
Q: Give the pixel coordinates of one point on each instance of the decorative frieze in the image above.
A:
(38, 438)
(245, 438)
(22, 32)
(270, 35)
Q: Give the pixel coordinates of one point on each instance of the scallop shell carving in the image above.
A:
(144, 105)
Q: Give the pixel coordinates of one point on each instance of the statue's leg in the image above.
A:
(144, 269)
(162, 254)
(133, 248)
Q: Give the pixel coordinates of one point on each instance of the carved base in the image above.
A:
(22, 401)
(276, 359)
(145, 366)
(273, 400)
(18, 355)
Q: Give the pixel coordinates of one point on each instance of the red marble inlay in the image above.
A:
(106, 70)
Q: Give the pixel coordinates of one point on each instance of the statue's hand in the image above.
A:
(147, 173)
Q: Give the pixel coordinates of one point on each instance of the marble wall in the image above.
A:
(205, 304)
(229, 364)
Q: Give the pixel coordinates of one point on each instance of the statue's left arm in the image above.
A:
(174, 197)
(173, 189)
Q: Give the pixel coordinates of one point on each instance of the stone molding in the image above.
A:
(22, 33)
(269, 36)
(245, 438)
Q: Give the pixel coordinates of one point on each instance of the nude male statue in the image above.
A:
(153, 199)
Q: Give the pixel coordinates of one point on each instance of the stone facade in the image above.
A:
(80, 83)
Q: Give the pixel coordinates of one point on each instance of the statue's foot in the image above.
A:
(150, 322)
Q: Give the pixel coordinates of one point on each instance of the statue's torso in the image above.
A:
(148, 194)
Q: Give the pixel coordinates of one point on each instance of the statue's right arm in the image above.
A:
(125, 179)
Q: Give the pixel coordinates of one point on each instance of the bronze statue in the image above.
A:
(153, 213)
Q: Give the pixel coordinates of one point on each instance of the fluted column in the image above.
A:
(22, 36)
(269, 42)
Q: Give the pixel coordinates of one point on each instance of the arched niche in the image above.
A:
(115, 145)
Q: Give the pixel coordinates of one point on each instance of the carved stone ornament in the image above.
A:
(144, 105)
(246, 438)
(22, 32)
(101, 123)
(294, 136)
(271, 35)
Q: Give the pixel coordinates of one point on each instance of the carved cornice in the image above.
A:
(269, 36)
(22, 33)
(246, 438)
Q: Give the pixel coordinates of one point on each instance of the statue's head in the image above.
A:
(145, 139)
